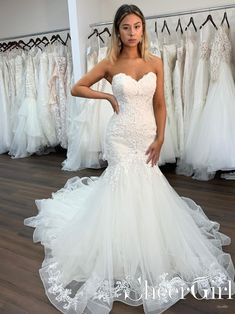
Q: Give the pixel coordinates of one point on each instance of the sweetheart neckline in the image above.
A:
(137, 81)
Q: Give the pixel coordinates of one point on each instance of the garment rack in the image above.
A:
(222, 7)
(35, 34)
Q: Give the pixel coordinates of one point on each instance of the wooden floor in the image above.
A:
(24, 180)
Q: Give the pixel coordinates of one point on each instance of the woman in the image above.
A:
(127, 235)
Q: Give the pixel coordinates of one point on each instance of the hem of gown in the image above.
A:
(65, 309)
(59, 295)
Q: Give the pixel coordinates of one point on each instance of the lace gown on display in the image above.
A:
(178, 99)
(168, 148)
(189, 78)
(86, 147)
(212, 145)
(202, 79)
(84, 144)
(5, 122)
(119, 236)
(169, 59)
(46, 119)
(28, 137)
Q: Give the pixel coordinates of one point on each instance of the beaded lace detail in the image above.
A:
(135, 123)
(220, 52)
(204, 50)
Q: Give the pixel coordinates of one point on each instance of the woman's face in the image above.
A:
(131, 30)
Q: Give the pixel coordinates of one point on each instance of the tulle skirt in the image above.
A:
(28, 137)
(127, 236)
(85, 149)
(211, 146)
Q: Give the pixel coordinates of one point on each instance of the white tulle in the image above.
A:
(211, 146)
(168, 152)
(86, 145)
(106, 237)
(28, 137)
(5, 125)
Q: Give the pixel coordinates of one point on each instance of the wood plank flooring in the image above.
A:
(24, 180)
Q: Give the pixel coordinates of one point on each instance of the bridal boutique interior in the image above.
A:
(47, 136)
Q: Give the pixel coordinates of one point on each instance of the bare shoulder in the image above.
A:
(103, 66)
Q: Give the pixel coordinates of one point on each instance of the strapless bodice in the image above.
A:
(134, 95)
(131, 131)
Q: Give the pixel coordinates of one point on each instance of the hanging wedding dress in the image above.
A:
(83, 149)
(10, 61)
(189, 77)
(86, 148)
(45, 115)
(5, 108)
(212, 145)
(73, 108)
(28, 137)
(167, 152)
(122, 235)
(19, 88)
(201, 84)
(169, 59)
(178, 97)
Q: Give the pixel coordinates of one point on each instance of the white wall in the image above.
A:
(153, 7)
(19, 17)
(81, 14)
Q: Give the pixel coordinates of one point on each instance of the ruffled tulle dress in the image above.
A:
(127, 235)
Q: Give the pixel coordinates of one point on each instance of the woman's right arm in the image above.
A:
(82, 87)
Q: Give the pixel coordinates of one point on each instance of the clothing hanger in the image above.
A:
(67, 38)
(191, 21)
(31, 43)
(225, 18)
(44, 41)
(165, 26)
(95, 32)
(22, 44)
(105, 30)
(38, 41)
(209, 18)
(56, 38)
(179, 26)
(11, 45)
(155, 28)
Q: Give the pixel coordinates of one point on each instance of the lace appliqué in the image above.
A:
(168, 288)
(205, 50)
(221, 51)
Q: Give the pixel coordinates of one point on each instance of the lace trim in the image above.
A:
(104, 290)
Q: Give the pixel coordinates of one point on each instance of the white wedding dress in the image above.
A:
(168, 148)
(201, 85)
(28, 137)
(5, 123)
(121, 235)
(211, 147)
(189, 77)
(86, 145)
(178, 97)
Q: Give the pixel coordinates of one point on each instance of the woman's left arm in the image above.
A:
(159, 108)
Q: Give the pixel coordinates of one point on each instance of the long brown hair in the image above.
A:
(115, 46)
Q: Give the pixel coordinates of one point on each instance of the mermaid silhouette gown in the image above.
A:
(128, 234)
